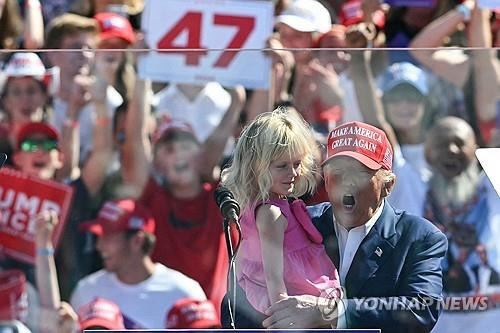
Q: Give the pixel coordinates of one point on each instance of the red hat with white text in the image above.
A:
(114, 25)
(100, 313)
(366, 143)
(13, 297)
(191, 313)
(121, 215)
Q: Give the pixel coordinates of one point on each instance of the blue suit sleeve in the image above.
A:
(417, 307)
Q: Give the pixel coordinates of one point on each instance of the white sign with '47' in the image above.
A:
(177, 28)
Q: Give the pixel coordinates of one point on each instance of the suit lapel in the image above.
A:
(373, 251)
(324, 224)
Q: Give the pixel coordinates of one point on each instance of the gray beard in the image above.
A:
(458, 191)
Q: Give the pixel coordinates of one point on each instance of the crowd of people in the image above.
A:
(143, 244)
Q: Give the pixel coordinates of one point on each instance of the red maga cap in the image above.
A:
(13, 298)
(100, 312)
(192, 313)
(114, 25)
(35, 128)
(366, 143)
(121, 215)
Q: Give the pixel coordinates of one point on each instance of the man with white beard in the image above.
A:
(461, 200)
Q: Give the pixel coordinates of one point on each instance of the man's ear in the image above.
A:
(137, 241)
(388, 186)
(17, 159)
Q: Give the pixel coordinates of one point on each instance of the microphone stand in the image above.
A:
(231, 278)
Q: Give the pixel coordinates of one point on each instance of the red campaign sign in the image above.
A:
(21, 199)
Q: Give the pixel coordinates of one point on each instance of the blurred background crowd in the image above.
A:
(143, 158)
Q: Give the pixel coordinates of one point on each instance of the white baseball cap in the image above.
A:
(306, 16)
(29, 64)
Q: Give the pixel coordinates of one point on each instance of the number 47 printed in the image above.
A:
(192, 38)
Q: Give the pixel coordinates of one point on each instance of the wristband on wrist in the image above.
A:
(465, 11)
(102, 121)
(45, 251)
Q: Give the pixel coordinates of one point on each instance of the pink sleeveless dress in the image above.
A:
(307, 268)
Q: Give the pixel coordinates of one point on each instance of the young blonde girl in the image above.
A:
(281, 252)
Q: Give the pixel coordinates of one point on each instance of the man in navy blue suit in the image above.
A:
(389, 261)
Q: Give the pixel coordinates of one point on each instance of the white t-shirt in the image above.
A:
(86, 119)
(204, 113)
(410, 190)
(143, 305)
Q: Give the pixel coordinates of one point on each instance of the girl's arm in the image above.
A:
(271, 225)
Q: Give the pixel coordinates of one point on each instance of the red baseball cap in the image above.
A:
(174, 126)
(114, 25)
(13, 297)
(192, 314)
(366, 143)
(352, 13)
(36, 127)
(121, 215)
(100, 312)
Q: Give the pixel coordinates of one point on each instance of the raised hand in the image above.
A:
(45, 223)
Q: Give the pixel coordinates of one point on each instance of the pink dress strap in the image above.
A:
(299, 210)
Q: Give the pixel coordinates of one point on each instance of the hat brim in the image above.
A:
(396, 83)
(366, 161)
(296, 23)
(201, 324)
(114, 34)
(37, 128)
(93, 226)
(100, 322)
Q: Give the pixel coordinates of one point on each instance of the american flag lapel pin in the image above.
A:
(378, 251)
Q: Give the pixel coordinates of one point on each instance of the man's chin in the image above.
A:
(347, 217)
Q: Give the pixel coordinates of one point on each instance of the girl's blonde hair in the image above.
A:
(271, 136)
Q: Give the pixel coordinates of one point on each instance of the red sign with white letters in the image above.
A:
(21, 199)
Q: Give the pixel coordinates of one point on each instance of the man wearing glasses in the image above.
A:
(38, 154)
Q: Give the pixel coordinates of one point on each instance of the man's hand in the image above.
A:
(359, 35)
(45, 224)
(62, 320)
(80, 93)
(296, 312)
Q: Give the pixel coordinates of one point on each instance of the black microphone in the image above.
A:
(228, 206)
(3, 158)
